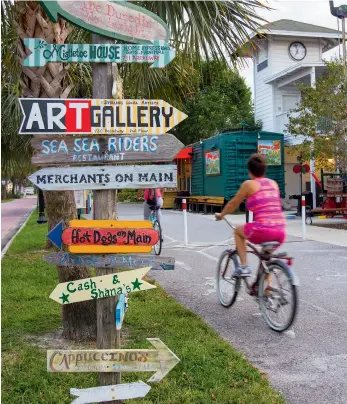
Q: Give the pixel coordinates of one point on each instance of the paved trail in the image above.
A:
(13, 214)
(308, 363)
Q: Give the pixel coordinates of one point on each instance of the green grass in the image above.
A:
(6, 200)
(210, 369)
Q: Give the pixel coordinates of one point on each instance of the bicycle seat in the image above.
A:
(154, 208)
(271, 244)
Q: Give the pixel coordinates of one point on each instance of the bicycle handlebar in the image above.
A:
(229, 224)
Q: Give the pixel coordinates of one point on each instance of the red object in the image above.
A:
(344, 206)
(184, 204)
(290, 261)
(112, 236)
(297, 168)
(303, 201)
(316, 179)
(72, 112)
(329, 203)
(184, 153)
(306, 168)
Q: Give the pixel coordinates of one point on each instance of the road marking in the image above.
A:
(183, 265)
(325, 310)
(226, 242)
(208, 256)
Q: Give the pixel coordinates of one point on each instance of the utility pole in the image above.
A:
(341, 13)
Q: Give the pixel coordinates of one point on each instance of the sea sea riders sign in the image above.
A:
(105, 177)
(97, 116)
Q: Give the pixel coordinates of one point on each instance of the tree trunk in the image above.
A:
(79, 319)
(49, 81)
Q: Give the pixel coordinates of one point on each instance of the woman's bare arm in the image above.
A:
(234, 203)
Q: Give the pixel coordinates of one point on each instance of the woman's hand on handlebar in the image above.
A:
(218, 216)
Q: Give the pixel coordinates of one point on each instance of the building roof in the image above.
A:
(296, 26)
(292, 28)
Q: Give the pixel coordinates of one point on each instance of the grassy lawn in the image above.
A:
(210, 369)
(6, 200)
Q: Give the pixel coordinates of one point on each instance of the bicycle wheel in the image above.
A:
(227, 286)
(278, 298)
(157, 247)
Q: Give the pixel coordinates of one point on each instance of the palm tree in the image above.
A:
(208, 29)
(22, 20)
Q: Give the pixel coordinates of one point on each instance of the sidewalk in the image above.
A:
(13, 214)
(314, 233)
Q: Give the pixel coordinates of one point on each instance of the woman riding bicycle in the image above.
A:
(263, 198)
(152, 197)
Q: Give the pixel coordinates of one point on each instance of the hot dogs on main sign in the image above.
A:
(97, 116)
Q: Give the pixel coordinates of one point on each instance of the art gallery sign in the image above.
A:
(97, 116)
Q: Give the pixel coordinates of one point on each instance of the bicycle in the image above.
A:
(270, 299)
(156, 226)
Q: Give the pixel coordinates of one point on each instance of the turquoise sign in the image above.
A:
(158, 54)
(114, 19)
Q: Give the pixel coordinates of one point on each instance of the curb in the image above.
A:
(7, 246)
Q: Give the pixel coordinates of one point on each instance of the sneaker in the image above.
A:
(242, 271)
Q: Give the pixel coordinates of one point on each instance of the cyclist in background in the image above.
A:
(152, 197)
(263, 198)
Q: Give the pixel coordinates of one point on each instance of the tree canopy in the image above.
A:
(221, 100)
(322, 118)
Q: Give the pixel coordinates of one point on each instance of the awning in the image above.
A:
(184, 154)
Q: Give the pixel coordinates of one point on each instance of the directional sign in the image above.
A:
(105, 177)
(105, 236)
(110, 393)
(97, 116)
(128, 261)
(101, 286)
(114, 19)
(161, 360)
(120, 311)
(110, 149)
(159, 54)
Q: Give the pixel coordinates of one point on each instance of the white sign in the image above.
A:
(110, 393)
(105, 177)
(80, 199)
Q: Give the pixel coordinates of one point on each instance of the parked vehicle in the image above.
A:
(29, 191)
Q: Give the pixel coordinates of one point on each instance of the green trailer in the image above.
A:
(219, 164)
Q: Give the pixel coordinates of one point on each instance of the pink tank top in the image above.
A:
(266, 205)
(149, 193)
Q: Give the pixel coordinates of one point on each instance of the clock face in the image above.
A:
(297, 50)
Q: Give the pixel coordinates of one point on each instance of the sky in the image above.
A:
(308, 11)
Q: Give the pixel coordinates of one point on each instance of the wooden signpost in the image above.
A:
(101, 177)
(110, 149)
(49, 116)
(121, 261)
(159, 54)
(101, 286)
(105, 236)
(108, 393)
(161, 360)
(114, 19)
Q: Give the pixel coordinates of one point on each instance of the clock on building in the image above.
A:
(297, 50)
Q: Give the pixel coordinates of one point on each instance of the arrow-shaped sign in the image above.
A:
(121, 261)
(159, 54)
(49, 116)
(110, 393)
(114, 19)
(161, 360)
(105, 236)
(101, 286)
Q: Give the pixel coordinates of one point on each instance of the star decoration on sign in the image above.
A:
(64, 298)
(136, 284)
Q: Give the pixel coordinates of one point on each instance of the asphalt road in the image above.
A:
(307, 363)
(13, 215)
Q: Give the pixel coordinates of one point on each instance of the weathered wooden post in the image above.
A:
(105, 207)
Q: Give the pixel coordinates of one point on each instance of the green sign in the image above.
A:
(159, 54)
(114, 19)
